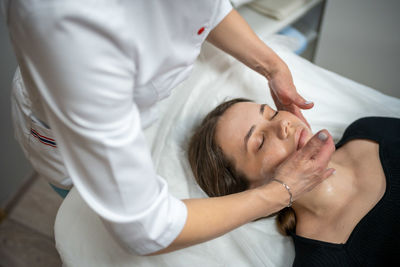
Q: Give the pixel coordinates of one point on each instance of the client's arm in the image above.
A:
(234, 36)
(213, 217)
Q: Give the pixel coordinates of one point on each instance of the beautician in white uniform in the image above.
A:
(92, 73)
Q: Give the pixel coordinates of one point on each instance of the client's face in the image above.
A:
(258, 139)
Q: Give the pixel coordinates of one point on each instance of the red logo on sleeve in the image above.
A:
(201, 30)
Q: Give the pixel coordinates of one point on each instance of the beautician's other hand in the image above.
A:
(307, 167)
(284, 92)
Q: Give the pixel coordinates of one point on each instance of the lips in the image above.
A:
(302, 138)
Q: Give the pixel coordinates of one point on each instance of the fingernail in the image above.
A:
(308, 102)
(322, 136)
(334, 172)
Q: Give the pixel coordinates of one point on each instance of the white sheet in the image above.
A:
(82, 240)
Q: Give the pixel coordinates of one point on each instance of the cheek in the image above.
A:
(273, 156)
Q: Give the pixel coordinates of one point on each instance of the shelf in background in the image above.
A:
(265, 26)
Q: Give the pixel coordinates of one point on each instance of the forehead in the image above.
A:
(238, 114)
(234, 124)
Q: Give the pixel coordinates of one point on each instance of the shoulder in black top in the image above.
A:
(375, 241)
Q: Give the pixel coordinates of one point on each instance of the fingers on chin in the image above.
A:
(317, 151)
(328, 172)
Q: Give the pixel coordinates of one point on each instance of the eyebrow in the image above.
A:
(250, 132)
(262, 107)
(247, 137)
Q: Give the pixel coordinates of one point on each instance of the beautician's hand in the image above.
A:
(284, 92)
(234, 36)
(307, 167)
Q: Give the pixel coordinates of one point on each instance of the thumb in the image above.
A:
(320, 147)
(302, 103)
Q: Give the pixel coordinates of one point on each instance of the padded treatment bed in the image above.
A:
(81, 238)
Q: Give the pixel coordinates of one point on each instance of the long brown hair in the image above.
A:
(216, 173)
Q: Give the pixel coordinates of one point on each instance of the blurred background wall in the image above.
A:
(14, 168)
(360, 40)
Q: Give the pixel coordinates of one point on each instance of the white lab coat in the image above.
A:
(92, 73)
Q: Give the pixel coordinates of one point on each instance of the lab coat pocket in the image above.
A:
(44, 155)
(42, 135)
(36, 138)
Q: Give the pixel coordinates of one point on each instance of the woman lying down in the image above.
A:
(350, 219)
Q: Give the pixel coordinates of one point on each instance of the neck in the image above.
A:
(327, 198)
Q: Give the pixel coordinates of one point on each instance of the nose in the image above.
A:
(283, 129)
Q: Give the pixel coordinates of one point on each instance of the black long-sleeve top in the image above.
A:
(375, 240)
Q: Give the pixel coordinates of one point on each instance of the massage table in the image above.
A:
(81, 238)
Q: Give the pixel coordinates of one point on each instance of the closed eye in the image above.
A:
(263, 136)
(262, 142)
(273, 116)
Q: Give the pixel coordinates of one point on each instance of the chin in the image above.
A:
(309, 134)
(303, 135)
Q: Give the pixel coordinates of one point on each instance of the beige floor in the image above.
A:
(27, 233)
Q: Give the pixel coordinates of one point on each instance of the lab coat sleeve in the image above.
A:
(223, 8)
(84, 71)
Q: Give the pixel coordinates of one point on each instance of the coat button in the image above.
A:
(201, 30)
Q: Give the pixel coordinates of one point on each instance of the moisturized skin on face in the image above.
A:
(258, 138)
